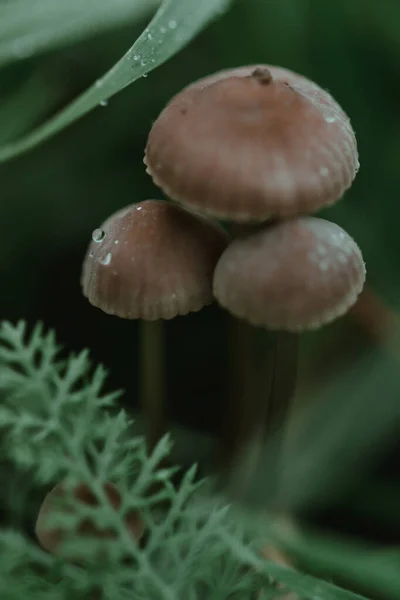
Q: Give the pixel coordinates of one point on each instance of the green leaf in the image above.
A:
(174, 25)
(365, 566)
(305, 585)
(28, 28)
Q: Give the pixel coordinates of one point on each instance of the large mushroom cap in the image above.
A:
(245, 145)
(299, 82)
(152, 260)
(294, 275)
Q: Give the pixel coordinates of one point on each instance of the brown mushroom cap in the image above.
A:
(52, 538)
(294, 275)
(304, 85)
(243, 146)
(152, 260)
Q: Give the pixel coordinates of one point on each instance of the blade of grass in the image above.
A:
(365, 567)
(305, 586)
(174, 25)
(28, 28)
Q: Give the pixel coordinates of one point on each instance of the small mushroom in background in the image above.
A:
(152, 261)
(253, 145)
(250, 144)
(52, 537)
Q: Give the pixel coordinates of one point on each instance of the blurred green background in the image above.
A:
(52, 198)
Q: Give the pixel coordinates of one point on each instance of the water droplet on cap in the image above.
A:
(107, 259)
(98, 235)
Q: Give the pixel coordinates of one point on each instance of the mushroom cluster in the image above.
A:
(264, 148)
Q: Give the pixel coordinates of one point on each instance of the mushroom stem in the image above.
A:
(263, 376)
(152, 379)
(263, 372)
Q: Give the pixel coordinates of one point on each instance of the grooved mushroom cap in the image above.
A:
(252, 143)
(52, 537)
(152, 260)
(294, 275)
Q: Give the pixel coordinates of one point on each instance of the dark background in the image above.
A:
(52, 198)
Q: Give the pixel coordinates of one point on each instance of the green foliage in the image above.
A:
(174, 25)
(27, 29)
(57, 425)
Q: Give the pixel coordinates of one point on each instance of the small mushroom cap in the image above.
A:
(152, 260)
(51, 538)
(294, 275)
(251, 143)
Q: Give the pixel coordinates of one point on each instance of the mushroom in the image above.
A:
(294, 275)
(290, 276)
(58, 501)
(249, 144)
(152, 261)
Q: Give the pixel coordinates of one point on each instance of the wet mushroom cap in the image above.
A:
(299, 82)
(52, 537)
(249, 146)
(152, 260)
(294, 275)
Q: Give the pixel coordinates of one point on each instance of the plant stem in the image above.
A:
(153, 379)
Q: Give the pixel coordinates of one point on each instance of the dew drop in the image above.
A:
(136, 57)
(172, 24)
(99, 83)
(104, 103)
(98, 235)
(330, 119)
(163, 30)
(324, 172)
(116, 242)
(107, 259)
(143, 63)
(139, 207)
